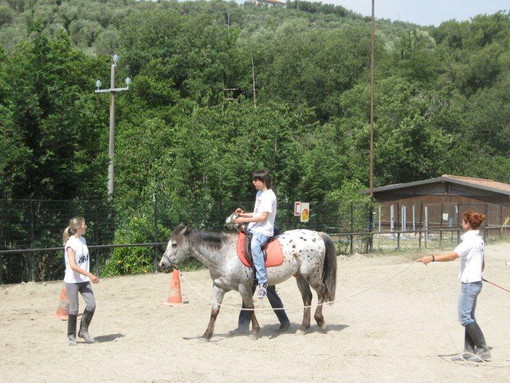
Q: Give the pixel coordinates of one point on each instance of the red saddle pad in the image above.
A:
(273, 255)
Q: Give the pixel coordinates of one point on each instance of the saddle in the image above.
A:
(272, 250)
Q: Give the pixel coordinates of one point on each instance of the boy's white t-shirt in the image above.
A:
(81, 257)
(265, 202)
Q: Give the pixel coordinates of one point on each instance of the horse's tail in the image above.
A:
(329, 270)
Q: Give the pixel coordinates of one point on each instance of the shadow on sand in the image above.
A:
(271, 331)
(108, 338)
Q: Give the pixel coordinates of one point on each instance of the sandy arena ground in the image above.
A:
(394, 321)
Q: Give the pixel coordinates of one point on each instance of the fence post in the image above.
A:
(500, 224)
(97, 252)
(380, 213)
(155, 209)
(1, 242)
(371, 229)
(352, 227)
(458, 221)
(398, 231)
(414, 218)
(420, 230)
(486, 232)
(31, 256)
(426, 225)
(403, 218)
(441, 228)
(392, 219)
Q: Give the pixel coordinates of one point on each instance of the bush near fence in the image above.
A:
(132, 241)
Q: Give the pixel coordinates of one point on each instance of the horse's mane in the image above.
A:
(211, 239)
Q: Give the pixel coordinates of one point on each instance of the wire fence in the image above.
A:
(31, 231)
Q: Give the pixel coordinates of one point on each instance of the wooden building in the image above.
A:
(441, 201)
(445, 189)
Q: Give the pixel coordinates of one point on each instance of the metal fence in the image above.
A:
(30, 231)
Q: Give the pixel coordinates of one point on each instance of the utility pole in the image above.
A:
(372, 90)
(111, 141)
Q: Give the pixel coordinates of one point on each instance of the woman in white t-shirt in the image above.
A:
(472, 253)
(77, 279)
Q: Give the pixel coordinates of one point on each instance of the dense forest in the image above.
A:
(220, 89)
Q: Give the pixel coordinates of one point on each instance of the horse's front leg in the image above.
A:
(306, 294)
(218, 295)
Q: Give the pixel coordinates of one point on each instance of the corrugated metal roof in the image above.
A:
(479, 183)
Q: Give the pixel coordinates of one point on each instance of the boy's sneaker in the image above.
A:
(262, 291)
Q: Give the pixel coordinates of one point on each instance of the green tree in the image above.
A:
(55, 119)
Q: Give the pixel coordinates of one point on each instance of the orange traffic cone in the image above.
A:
(63, 305)
(175, 296)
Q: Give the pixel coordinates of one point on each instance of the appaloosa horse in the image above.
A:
(308, 255)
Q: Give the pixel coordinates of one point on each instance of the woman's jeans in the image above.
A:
(467, 302)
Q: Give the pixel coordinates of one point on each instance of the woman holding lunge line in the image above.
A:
(472, 253)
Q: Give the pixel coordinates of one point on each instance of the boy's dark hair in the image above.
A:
(262, 175)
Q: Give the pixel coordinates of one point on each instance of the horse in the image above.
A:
(309, 256)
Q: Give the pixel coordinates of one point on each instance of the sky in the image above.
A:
(424, 12)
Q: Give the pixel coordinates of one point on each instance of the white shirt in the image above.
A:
(81, 257)
(471, 252)
(265, 202)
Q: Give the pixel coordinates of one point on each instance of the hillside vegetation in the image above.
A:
(220, 89)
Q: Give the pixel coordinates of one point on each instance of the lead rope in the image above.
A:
(436, 296)
(299, 307)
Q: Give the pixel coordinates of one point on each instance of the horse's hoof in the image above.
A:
(323, 326)
(300, 332)
(206, 338)
(254, 336)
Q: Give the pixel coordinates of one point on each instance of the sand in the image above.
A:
(393, 321)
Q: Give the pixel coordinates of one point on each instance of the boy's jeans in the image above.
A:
(257, 241)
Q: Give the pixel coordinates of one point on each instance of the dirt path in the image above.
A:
(400, 330)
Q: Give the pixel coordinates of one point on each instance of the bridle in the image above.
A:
(167, 257)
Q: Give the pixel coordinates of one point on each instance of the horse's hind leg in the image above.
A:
(319, 318)
(215, 310)
(306, 294)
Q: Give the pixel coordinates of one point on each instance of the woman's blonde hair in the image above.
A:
(74, 224)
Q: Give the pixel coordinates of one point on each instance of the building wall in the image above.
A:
(439, 211)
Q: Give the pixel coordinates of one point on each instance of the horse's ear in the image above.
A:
(186, 230)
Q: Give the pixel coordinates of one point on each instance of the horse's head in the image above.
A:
(229, 223)
(177, 249)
